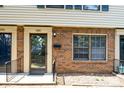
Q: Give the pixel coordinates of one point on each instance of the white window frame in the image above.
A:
(101, 61)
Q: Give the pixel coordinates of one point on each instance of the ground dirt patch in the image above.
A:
(78, 79)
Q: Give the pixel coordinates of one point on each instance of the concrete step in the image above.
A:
(24, 79)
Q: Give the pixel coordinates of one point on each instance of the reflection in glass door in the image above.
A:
(5, 49)
(38, 49)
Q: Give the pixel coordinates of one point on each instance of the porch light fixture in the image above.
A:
(54, 34)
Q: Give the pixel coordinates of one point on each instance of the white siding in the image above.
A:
(31, 15)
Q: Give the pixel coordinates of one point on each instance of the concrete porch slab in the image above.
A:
(46, 79)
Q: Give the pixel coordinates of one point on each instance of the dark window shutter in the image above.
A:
(105, 7)
(40, 6)
(69, 6)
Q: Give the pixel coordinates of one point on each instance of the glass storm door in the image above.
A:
(5, 49)
(38, 49)
(122, 49)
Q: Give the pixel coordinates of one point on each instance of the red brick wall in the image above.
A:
(64, 57)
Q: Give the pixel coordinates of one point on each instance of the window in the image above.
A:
(105, 8)
(55, 6)
(40, 6)
(91, 7)
(69, 7)
(81, 47)
(98, 47)
(1, 5)
(89, 47)
(78, 7)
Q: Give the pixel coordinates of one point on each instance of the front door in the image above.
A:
(38, 57)
(5, 49)
(122, 49)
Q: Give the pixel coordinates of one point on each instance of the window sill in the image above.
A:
(90, 61)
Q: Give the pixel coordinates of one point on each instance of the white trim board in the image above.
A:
(38, 30)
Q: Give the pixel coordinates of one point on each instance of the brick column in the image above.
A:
(20, 48)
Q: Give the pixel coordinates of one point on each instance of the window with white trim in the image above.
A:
(89, 47)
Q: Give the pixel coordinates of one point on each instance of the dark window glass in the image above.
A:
(87, 47)
(105, 8)
(78, 7)
(1, 5)
(81, 47)
(121, 49)
(54, 6)
(38, 57)
(69, 6)
(91, 7)
(5, 48)
(40, 6)
(98, 47)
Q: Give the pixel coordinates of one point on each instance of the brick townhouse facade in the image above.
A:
(79, 38)
(64, 55)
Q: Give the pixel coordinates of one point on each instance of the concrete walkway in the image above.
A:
(28, 79)
(121, 76)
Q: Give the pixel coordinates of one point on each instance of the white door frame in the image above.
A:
(12, 30)
(37, 30)
(118, 32)
(117, 42)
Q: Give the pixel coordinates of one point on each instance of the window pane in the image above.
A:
(78, 7)
(40, 6)
(81, 47)
(98, 47)
(5, 48)
(76, 56)
(1, 5)
(76, 38)
(54, 6)
(83, 50)
(69, 6)
(83, 41)
(83, 57)
(76, 50)
(91, 7)
(105, 7)
(103, 41)
(76, 44)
